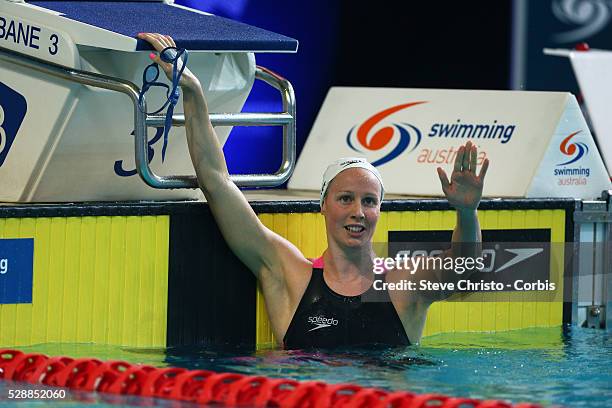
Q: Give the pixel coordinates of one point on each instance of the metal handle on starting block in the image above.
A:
(286, 119)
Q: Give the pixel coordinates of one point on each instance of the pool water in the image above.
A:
(570, 367)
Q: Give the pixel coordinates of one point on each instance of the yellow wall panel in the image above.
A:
(146, 318)
(264, 338)
(145, 285)
(280, 224)
(55, 276)
(461, 312)
(71, 286)
(95, 280)
(294, 228)
(447, 316)
(160, 289)
(85, 299)
(320, 235)
(263, 334)
(40, 289)
(382, 229)
(23, 315)
(100, 271)
(115, 283)
(131, 287)
(502, 304)
(516, 299)
(310, 235)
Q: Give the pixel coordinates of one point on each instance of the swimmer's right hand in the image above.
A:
(160, 42)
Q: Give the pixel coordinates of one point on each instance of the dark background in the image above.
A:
(429, 44)
(425, 45)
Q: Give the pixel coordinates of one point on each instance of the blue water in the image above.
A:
(566, 367)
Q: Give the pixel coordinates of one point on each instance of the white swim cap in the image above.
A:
(346, 163)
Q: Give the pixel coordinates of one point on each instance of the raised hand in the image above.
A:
(464, 190)
(160, 42)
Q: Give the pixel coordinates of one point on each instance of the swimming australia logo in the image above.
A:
(321, 322)
(574, 150)
(401, 135)
(13, 107)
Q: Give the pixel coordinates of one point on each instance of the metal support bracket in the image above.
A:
(286, 119)
(595, 249)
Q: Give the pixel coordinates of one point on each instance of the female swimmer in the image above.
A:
(321, 304)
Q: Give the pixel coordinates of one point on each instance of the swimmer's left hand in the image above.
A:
(464, 190)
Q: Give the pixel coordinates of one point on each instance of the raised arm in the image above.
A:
(261, 250)
(463, 192)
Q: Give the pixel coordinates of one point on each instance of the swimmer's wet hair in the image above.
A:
(347, 163)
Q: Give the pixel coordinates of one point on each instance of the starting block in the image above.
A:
(70, 125)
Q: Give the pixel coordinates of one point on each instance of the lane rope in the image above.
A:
(208, 387)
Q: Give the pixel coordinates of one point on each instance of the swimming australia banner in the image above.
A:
(538, 142)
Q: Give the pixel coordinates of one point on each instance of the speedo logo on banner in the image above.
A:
(378, 133)
(321, 322)
(570, 171)
(13, 107)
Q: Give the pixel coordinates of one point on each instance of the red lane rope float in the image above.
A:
(161, 382)
(76, 373)
(47, 373)
(189, 385)
(303, 395)
(274, 391)
(207, 387)
(216, 388)
(336, 395)
(132, 380)
(366, 398)
(105, 375)
(24, 365)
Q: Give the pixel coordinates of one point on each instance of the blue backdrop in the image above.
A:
(311, 70)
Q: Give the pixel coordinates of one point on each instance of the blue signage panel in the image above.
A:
(13, 108)
(16, 265)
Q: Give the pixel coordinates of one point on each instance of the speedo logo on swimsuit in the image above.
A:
(321, 322)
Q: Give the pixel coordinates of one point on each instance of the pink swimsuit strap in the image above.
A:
(318, 263)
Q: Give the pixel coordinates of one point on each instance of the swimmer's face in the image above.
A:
(352, 207)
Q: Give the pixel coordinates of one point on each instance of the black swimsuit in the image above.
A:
(325, 319)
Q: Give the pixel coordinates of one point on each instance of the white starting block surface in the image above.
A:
(593, 71)
(537, 142)
(61, 141)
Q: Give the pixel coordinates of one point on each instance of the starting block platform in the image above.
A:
(191, 29)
